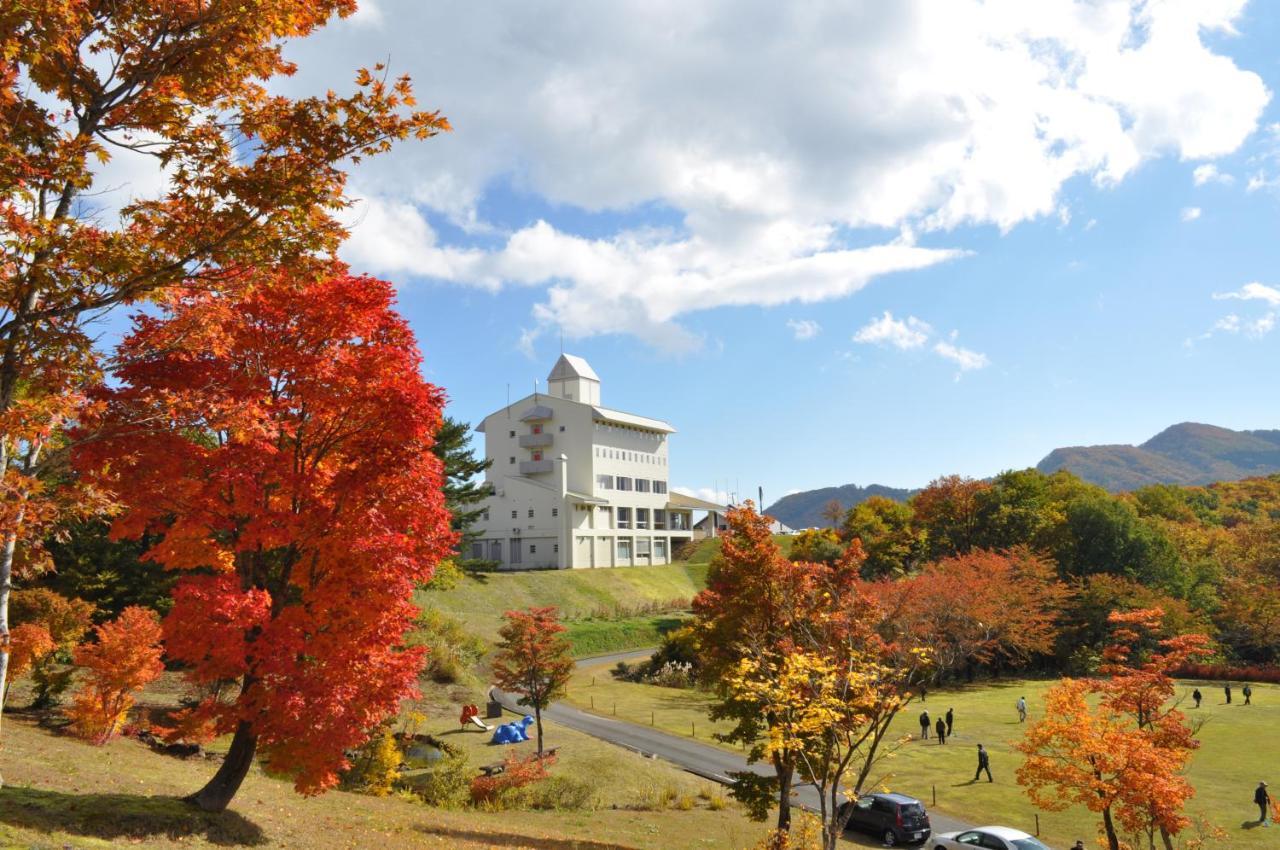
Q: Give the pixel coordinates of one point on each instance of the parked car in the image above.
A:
(989, 838)
(895, 818)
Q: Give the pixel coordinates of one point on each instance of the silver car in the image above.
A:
(988, 838)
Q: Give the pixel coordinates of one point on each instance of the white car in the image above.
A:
(988, 838)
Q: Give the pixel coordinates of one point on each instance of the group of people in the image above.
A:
(1246, 691)
(941, 728)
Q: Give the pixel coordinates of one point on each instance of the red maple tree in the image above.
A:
(534, 659)
(123, 659)
(278, 445)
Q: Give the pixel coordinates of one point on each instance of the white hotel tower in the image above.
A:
(575, 484)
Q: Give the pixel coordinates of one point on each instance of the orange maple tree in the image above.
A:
(1126, 757)
(278, 448)
(978, 608)
(534, 659)
(121, 661)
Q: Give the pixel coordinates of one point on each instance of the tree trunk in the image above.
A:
(784, 795)
(1113, 842)
(217, 794)
(1166, 838)
(6, 584)
(537, 721)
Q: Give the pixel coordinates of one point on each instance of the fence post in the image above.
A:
(593, 702)
(1037, 824)
(615, 708)
(651, 718)
(693, 731)
(935, 796)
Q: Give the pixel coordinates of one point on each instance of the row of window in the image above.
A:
(516, 514)
(635, 457)
(661, 519)
(517, 549)
(624, 483)
(642, 549)
(642, 433)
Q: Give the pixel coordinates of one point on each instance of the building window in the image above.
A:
(660, 549)
(624, 483)
(533, 550)
(495, 550)
(477, 551)
(642, 485)
(679, 522)
(604, 482)
(513, 434)
(485, 515)
(642, 517)
(512, 460)
(555, 512)
(624, 517)
(659, 519)
(537, 455)
(561, 429)
(659, 486)
(555, 549)
(536, 429)
(530, 513)
(624, 550)
(642, 547)
(515, 550)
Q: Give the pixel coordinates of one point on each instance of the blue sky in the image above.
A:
(1001, 225)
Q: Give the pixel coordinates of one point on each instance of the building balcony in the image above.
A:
(535, 467)
(534, 441)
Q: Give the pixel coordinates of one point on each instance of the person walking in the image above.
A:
(1022, 709)
(1227, 690)
(1079, 845)
(924, 691)
(940, 728)
(950, 719)
(1248, 694)
(1197, 696)
(924, 725)
(1263, 799)
(984, 763)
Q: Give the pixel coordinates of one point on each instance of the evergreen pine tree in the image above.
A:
(464, 489)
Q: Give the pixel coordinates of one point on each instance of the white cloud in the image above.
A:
(887, 330)
(708, 494)
(764, 132)
(964, 358)
(914, 333)
(1252, 292)
(804, 329)
(1209, 173)
(1254, 327)
(1190, 213)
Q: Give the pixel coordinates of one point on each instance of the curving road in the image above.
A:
(703, 760)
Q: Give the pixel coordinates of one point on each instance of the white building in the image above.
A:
(576, 484)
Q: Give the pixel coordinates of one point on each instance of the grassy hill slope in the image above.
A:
(605, 594)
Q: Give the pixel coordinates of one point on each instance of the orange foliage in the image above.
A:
(28, 644)
(125, 657)
(534, 659)
(982, 607)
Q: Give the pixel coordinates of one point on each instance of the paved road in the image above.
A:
(701, 759)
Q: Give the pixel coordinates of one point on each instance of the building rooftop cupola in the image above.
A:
(573, 378)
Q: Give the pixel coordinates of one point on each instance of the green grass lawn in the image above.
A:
(708, 548)
(479, 600)
(1238, 748)
(598, 637)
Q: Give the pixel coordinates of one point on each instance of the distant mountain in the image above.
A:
(1189, 453)
(804, 510)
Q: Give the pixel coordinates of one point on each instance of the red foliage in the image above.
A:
(28, 644)
(1228, 673)
(516, 773)
(278, 445)
(534, 659)
(125, 657)
(980, 607)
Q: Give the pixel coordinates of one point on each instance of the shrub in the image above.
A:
(124, 659)
(559, 794)
(379, 765)
(452, 651)
(492, 791)
(444, 784)
(673, 674)
(29, 644)
(64, 621)
(1225, 672)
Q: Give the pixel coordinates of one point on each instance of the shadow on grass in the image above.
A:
(123, 817)
(502, 839)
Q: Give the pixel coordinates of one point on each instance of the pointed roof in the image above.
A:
(572, 366)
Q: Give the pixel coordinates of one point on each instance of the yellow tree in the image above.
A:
(251, 180)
